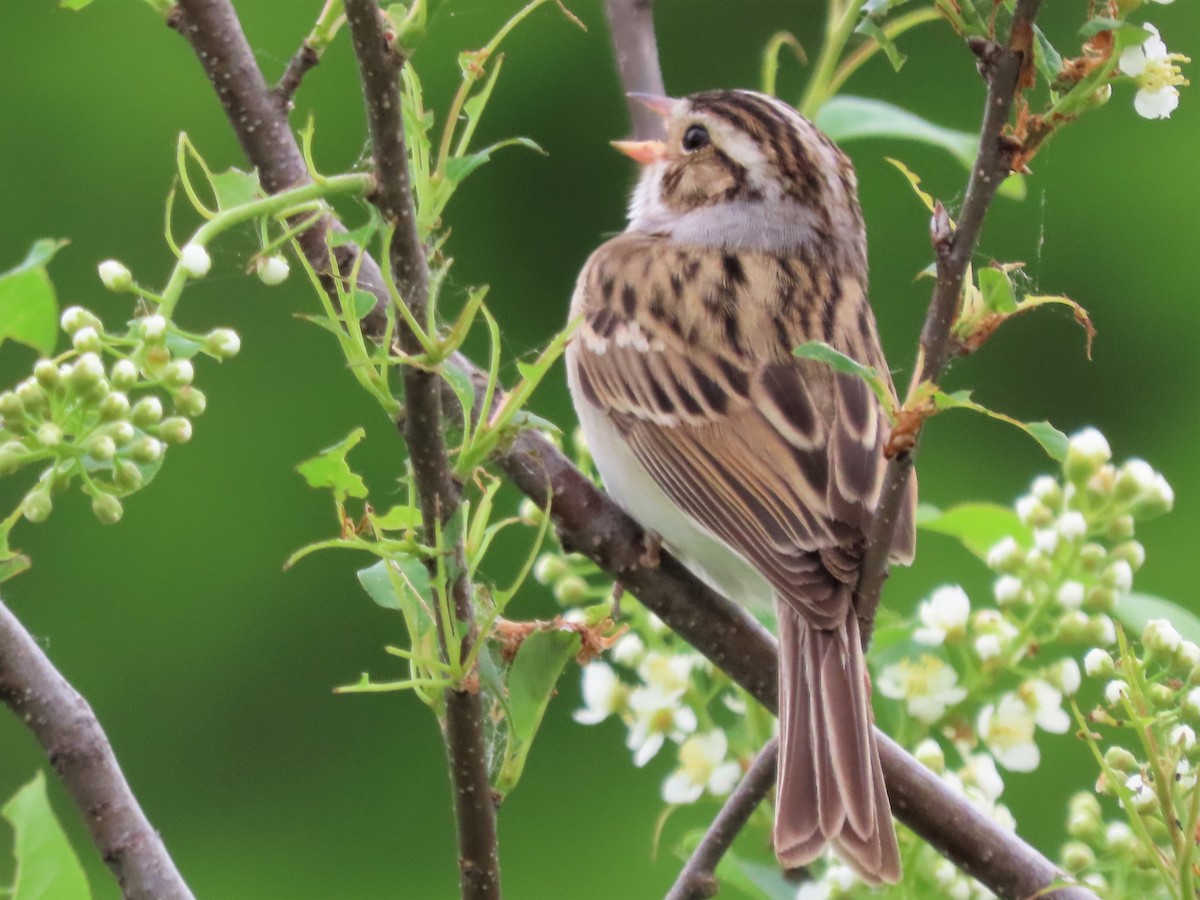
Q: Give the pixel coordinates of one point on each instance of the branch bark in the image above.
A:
(379, 64)
(591, 523)
(631, 23)
(698, 880)
(1001, 67)
(64, 724)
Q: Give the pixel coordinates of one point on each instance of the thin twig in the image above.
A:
(590, 522)
(697, 880)
(631, 24)
(1001, 67)
(64, 724)
(302, 61)
(379, 63)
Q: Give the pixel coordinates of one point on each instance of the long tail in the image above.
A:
(830, 787)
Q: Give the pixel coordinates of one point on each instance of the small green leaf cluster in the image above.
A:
(46, 865)
(96, 413)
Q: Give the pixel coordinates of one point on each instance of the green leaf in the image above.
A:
(979, 526)
(1048, 60)
(756, 878)
(459, 167)
(840, 362)
(871, 28)
(233, 187)
(47, 868)
(364, 302)
(997, 290)
(400, 584)
(846, 118)
(28, 306)
(73, 4)
(534, 673)
(329, 469)
(1135, 610)
(398, 518)
(1053, 441)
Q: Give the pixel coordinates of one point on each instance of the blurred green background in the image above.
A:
(211, 667)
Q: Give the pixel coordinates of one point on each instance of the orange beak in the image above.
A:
(644, 152)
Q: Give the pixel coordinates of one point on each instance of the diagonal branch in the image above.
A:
(64, 724)
(590, 522)
(631, 23)
(1002, 68)
(379, 63)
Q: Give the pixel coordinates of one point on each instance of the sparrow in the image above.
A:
(759, 470)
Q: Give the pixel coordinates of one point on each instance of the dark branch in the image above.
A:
(591, 523)
(298, 66)
(64, 724)
(1001, 67)
(698, 879)
(379, 63)
(631, 24)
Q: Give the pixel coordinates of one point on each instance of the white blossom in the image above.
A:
(1185, 775)
(927, 686)
(988, 646)
(656, 717)
(1183, 736)
(1045, 700)
(1066, 676)
(1103, 629)
(943, 615)
(603, 694)
(1188, 654)
(1115, 691)
(1007, 729)
(1191, 701)
(1156, 72)
(1143, 793)
(629, 649)
(1070, 595)
(980, 772)
(1088, 449)
(702, 766)
(1071, 525)
(1120, 575)
(1007, 589)
(1004, 553)
(1045, 540)
(1161, 636)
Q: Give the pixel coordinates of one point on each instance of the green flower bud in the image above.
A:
(124, 374)
(31, 394)
(154, 328)
(115, 276)
(271, 270)
(128, 476)
(1084, 816)
(86, 340)
(49, 435)
(1131, 552)
(107, 508)
(190, 401)
(37, 505)
(1077, 856)
(1119, 528)
(1092, 557)
(76, 317)
(146, 450)
(175, 430)
(114, 406)
(87, 372)
(1161, 696)
(102, 447)
(1121, 760)
(12, 455)
(47, 374)
(571, 590)
(223, 343)
(550, 567)
(155, 360)
(147, 411)
(11, 406)
(1087, 451)
(179, 373)
(122, 432)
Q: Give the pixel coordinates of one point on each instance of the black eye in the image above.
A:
(695, 137)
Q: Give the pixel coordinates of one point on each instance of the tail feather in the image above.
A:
(830, 787)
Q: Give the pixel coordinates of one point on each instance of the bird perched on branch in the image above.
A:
(759, 470)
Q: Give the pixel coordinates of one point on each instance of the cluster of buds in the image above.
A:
(97, 413)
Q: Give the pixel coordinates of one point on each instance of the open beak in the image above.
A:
(644, 152)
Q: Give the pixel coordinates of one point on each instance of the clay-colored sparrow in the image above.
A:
(760, 471)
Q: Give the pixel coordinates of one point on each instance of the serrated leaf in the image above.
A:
(398, 518)
(979, 526)
(840, 362)
(1053, 441)
(329, 469)
(846, 118)
(28, 305)
(459, 167)
(534, 673)
(997, 290)
(1135, 610)
(47, 867)
(233, 187)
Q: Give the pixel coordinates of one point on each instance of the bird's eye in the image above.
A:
(695, 137)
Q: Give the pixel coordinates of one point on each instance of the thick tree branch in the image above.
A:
(379, 65)
(698, 880)
(1001, 67)
(63, 722)
(631, 24)
(591, 523)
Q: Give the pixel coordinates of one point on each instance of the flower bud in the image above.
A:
(191, 401)
(1120, 759)
(87, 371)
(549, 568)
(154, 328)
(107, 508)
(113, 407)
(1116, 691)
(1156, 501)
(1071, 526)
(115, 276)
(146, 450)
(86, 340)
(31, 394)
(175, 430)
(1135, 477)
(1131, 552)
(1084, 815)
(76, 317)
(1031, 511)
(272, 270)
(1077, 856)
(1119, 576)
(11, 406)
(930, 754)
(147, 411)
(1005, 556)
(102, 447)
(194, 260)
(1070, 595)
(1101, 599)
(155, 361)
(1047, 490)
(1087, 451)
(1161, 696)
(49, 435)
(1074, 625)
(12, 454)
(1120, 527)
(47, 374)
(128, 476)
(1191, 703)
(1161, 638)
(223, 343)
(1097, 662)
(1007, 589)
(122, 432)
(37, 505)
(570, 590)
(1064, 675)
(1102, 630)
(1119, 837)
(123, 374)
(179, 373)
(1187, 657)
(1182, 736)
